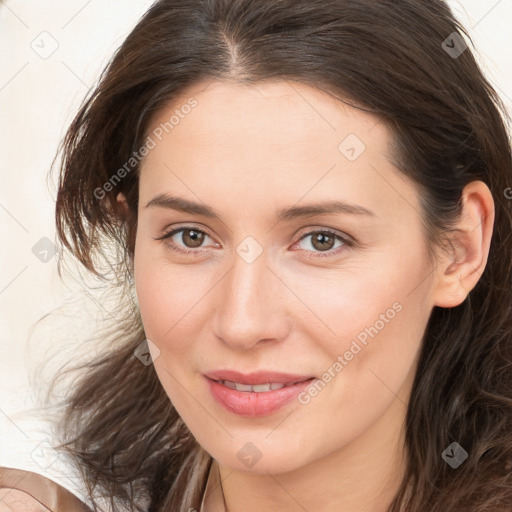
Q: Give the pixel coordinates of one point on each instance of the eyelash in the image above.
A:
(347, 242)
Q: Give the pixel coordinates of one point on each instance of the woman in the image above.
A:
(307, 203)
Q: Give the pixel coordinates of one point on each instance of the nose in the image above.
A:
(252, 305)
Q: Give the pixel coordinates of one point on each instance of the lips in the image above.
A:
(255, 394)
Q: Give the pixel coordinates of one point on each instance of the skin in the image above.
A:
(248, 151)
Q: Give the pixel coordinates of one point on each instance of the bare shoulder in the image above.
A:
(15, 500)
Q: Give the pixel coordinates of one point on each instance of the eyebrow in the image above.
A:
(285, 214)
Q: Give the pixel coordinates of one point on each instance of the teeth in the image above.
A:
(257, 388)
(243, 387)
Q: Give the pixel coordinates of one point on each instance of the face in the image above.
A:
(258, 278)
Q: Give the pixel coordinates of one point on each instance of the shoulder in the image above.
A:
(25, 491)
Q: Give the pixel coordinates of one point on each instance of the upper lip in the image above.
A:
(255, 378)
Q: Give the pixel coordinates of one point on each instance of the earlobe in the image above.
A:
(459, 271)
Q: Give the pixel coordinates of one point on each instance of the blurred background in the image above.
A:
(52, 52)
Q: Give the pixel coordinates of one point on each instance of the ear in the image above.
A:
(123, 205)
(459, 271)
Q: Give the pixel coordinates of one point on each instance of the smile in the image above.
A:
(255, 400)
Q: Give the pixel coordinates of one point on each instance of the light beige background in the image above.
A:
(39, 94)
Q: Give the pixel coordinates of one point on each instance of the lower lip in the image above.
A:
(251, 404)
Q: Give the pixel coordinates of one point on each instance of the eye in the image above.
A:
(191, 237)
(323, 241)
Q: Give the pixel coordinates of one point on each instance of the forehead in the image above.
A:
(267, 139)
(276, 113)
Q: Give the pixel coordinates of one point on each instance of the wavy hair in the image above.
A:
(393, 58)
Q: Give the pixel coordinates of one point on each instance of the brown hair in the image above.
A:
(388, 57)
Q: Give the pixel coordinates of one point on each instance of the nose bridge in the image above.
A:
(250, 306)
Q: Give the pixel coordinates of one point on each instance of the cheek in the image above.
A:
(373, 293)
(166, 296)
(157, 302)
(171, 299)
(372, 325)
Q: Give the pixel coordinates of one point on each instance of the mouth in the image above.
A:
(256, 394)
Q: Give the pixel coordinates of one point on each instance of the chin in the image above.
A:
(271, 465)
(256, 455)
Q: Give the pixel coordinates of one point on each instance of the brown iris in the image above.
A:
(319, 241)
(195, 236)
